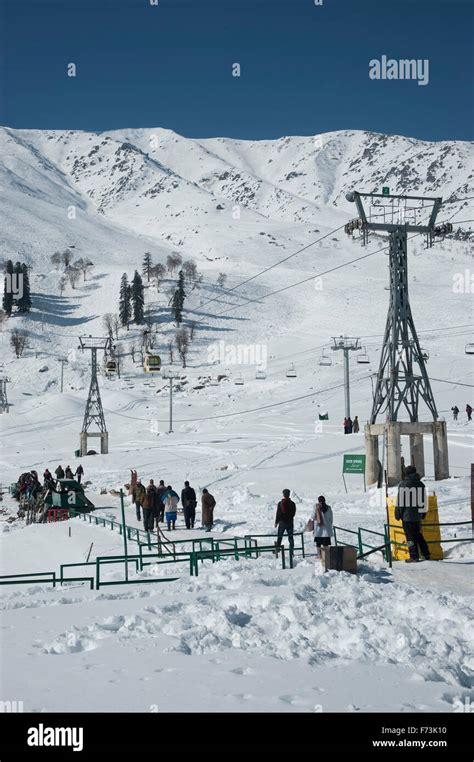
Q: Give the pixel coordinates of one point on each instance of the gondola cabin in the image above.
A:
(111, 367)
(152, 363)
(469, 349)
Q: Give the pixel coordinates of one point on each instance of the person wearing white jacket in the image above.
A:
(323, 519)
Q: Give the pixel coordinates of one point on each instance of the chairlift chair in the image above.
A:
(469, 349)
(214, 381)
(363, 358)
(239, 381)
(325, 359)
(291, 372)
(260, 373)
(425, 354)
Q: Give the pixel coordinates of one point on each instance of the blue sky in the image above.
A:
(304, 68)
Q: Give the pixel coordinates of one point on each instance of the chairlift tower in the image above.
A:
(4, 404)
(402, 380)
(346, 345)
(94, 413)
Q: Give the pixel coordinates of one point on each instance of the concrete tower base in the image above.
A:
(104, 441)
(394, 430)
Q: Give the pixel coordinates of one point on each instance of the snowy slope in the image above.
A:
(237, 207)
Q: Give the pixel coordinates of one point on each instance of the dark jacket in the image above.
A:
(59, 473)
(188, 498)
(138, 493)
(410, 499)
(286, 510)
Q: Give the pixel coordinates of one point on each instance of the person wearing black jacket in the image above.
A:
(285, 514)
(161, 490)
(410, 510)
(189, 502)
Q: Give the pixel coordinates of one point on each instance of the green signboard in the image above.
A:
(353, 464)
(385, 190)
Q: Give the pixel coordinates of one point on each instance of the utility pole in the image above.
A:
(94, 413)
(63, 361)
(4, 404)
(346, 345)
(171, 376)
(402, 380)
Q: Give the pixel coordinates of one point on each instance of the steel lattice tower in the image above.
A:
(402, 379)
(94, 412)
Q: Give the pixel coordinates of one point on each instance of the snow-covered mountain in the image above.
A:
(203, 197)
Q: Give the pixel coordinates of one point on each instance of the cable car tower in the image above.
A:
(402, 380)
(94, 413)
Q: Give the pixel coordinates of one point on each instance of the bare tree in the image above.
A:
(3, 318)
(174, 261)
(198, 282)
(182, 344)
(62, 284)
(133, 349)
(158, 273)
(84, 265)
(170, 350)
(116, 325)
(108, 323)
(192, 330)
(56, 259)
(190, 270)
(73, 276)
(18, 341)
(66, 258)
(221, 280)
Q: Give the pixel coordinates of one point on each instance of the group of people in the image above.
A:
(455, 412)
(351, 426)
(28, 485)
(62, 473)
(410, 510)
(160, 503)
(320, 523)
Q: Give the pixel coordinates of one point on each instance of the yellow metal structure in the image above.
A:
(430, 533)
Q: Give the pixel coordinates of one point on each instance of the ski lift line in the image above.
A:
(240, 412)
(276, 264)
(446, 381)
(316, 275)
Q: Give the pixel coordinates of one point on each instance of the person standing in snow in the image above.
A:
(323, 520)
(346, 426)
(59, 473)
(148, 506)
(469, 412)
(79, 473)
(138, 496)
(207, 504)
(284, 518)
(171, 500)
(188, 501)
(349, 425)
(49, 482)
(455, 412)
(410, 510)
(161, 490)
(69, 474)
(355, 426)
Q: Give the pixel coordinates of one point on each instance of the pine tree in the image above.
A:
(7, 301)
(147, 265)
(137, 298)
(178, 299)
(125, 308)
(24, 301)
